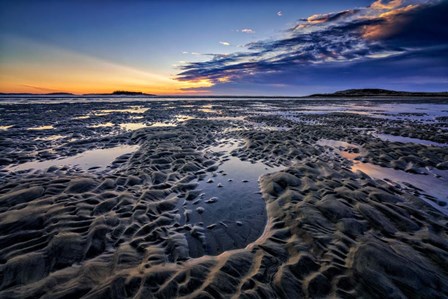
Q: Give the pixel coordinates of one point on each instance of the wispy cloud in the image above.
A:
(224, 43)
(191, 53)
(247, 30)
(402, 30)
(279, 13)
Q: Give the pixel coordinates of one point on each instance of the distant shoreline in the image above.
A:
(350, 93)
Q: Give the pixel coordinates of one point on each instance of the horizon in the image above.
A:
(224, 48)
(138, 93)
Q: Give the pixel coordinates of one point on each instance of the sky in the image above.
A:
(206, 47)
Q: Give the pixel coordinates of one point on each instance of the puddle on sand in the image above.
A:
(104, 125)
(98, 158)
(334, 143)
(265, 127)
(161, 124)
(49, 138)
(209, 109)
(104, 112)
(429, 184)
(132, 126)
(131, 109)
(436, 187)
(183, 118)
(394, 138)
(230, 207)
(82, 117)
(225, 118)
(41, 128)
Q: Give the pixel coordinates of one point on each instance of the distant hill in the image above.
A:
(59, 94)
(122, 93)
(375, 92)
(131, 93)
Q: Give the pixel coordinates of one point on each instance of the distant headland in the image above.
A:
(376, 92)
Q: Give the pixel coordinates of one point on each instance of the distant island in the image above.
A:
(376, 92)
(131, 93)
(122, 93)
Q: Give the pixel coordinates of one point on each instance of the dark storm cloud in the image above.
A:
(426, 26)
(350, 42)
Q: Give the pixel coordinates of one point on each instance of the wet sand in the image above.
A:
(224, 199)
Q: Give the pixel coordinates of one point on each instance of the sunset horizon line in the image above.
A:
(136, 93)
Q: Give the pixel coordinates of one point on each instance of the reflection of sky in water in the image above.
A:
(394, 138)
(132, 126)
(239, 213)
(223, 118)
(162, 124)
(41, 128)
(368, 108)
(105, 125)
(50, 138)
(131, 109)
(209, 109)
(430, 184)
(82, 117)
(393, 111)
(182, 117)
(92, 158)
(436, 187)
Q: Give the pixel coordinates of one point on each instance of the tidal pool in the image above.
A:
(133, 126)
(230, 212)
(402, 139)
(49, 127)
(104, 125)
(97, 158)
(432, 186)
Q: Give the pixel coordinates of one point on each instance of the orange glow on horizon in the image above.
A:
(79, 90)
(84, 83)
(46, 68)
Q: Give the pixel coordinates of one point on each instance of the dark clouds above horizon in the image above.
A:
(399, 45)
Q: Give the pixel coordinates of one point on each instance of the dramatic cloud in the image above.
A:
(401, 33)
(390, 5)
(328, 17)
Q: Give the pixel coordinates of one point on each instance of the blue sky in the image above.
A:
(174, 47)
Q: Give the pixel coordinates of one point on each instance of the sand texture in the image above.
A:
(223, 200)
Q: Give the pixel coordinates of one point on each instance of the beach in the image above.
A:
(224, 198)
